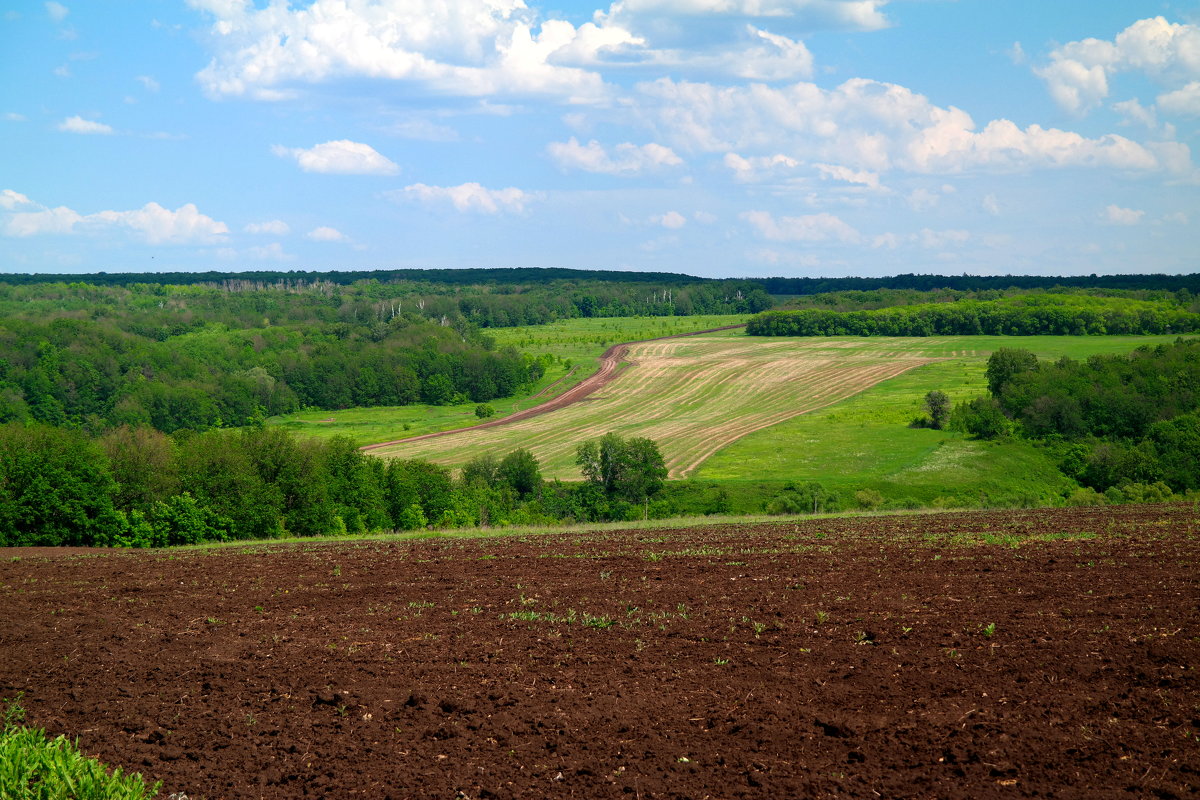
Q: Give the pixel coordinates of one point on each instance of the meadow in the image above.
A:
(692, 396)
(735, 410)
(575, 346)
(864, 442)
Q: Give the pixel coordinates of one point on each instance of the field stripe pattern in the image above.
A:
(692, 396)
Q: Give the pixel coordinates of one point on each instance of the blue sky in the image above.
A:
(712, 137)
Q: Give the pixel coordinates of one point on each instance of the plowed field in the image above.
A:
(965, 655)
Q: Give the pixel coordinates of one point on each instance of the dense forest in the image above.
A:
(135, 486)
(1022, 314)
(1117, 421)
(225, 354)
(530, 276)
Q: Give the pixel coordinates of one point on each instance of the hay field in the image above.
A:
(692, 396)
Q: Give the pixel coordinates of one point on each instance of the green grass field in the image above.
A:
(724, 409)
(864, 442)
(692, 396)
(577, 345)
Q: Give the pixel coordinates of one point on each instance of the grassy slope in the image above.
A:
(580, 342)
(690, 395)
(863, 442)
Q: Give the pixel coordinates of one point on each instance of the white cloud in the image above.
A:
(468, 47)
(672, 220)
(62, 71)
(864, 15)
(78, 124)
(12, 116)
(1016, 53)
(873, 126)
(625, 159)
(839, 173)
(923, 200)
(1182, 101)
(10, 200)
(756, 168)
(269, 252)
(1078, 73)
(276, 227)
(57, 11)
(46, 221)
(704, 217)
(1135, 112)
(151, 223)
(341, 157)
(470, 197)
(809, 228)
(326, 234)
(149, 83)
(991, 205)
(1115, 215)
(938, 240)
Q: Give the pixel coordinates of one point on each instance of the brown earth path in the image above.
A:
(605, 374)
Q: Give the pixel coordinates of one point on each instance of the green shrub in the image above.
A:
(33, 767)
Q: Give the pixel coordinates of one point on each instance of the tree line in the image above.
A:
(138, 487)
(1019, 315)
(1116, 421)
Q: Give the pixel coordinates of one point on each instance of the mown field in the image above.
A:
(691, 396)
(725, 407)
(576, 346)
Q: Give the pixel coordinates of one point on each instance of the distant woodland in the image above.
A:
(1023, 314)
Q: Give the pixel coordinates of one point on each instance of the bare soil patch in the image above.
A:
(821, 658)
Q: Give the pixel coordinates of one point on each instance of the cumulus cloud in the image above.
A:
(151, 223)
(1078, 74)
(756, 168)
(1182, 101)
(341, 157)
(625, 159)
(78, 124)
(469, 197)
(840, 173)
(469, 47)
(326, 234)
(809, 228)
(10, 199)
(1115, 215)
(872, 126)
(863, 15)
(672, 220)
(276, 227)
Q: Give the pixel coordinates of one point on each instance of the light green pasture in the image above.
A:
(864, 442)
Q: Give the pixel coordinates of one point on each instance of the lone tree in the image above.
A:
(628, 469)
(937, 403)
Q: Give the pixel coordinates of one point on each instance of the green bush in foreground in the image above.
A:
(33, 767)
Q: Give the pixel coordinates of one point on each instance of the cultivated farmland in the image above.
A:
(1045, 653)
(693, 396)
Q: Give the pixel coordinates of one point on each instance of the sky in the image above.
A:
(719, 138)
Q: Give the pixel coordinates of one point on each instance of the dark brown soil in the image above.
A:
(825, 658)
(609, 361)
